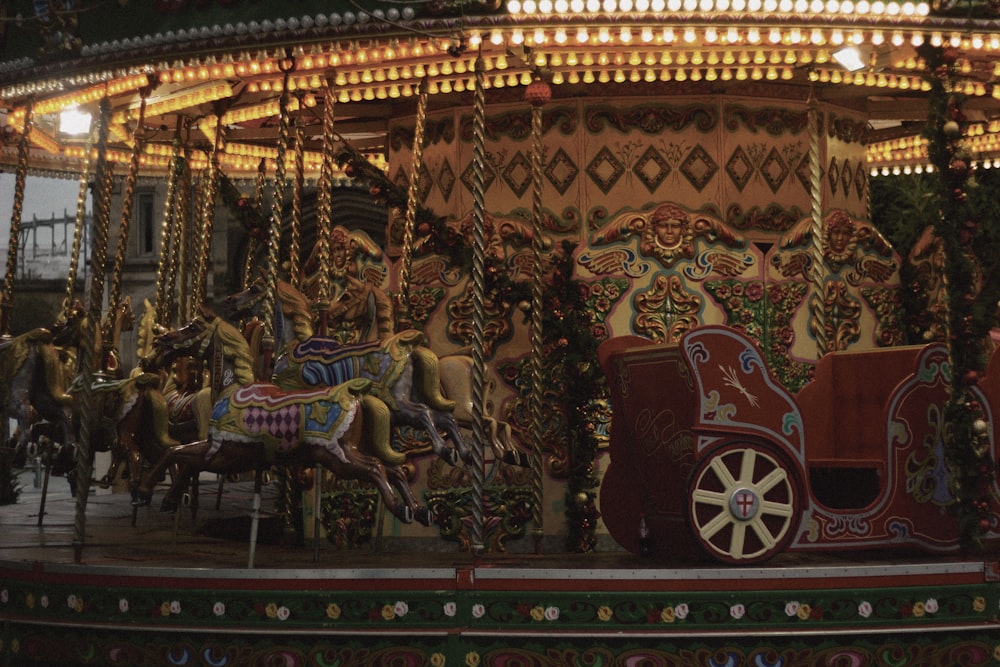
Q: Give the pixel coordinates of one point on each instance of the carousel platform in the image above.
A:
(175, 591)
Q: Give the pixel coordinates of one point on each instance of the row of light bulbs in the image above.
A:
(861, 7)
(896, 170)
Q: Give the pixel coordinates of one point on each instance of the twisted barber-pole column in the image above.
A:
(20, 177)
(128, 201)
(80, 224)
(476, 469)
(254, 244)
(298, 187)
(267, 316)
(537, 93)
(209, 189)
(817, 310)
(324, 197)
(163, 268)
(412, 194)
(90, 347)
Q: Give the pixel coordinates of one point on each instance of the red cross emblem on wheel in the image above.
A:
(744, 504)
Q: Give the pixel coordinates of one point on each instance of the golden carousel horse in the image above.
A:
(367, 308)
(454, 371)
(33, 380)
(255, 425)
(404, 371)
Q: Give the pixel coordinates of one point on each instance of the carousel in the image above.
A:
(465, 333)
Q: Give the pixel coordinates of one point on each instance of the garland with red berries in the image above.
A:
(568, 339)
(972, 298)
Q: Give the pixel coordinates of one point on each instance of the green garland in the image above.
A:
(971, 299)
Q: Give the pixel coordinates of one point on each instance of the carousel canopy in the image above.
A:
(210, 66)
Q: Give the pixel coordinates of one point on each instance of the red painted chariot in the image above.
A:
(715, 457)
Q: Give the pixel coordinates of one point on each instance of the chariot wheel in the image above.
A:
(744, 502)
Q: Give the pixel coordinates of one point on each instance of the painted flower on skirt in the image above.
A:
(551, 613)
(979, 604)
(931, 606)
(604, 613)
(401, 609)
(449, 609)
(472, 659)
(283, 613)
(792, 608)
(333, 611)
(478, 611)
(737, 611)
(864, 609)
(219, 608)
(123, 605)
(682, 610)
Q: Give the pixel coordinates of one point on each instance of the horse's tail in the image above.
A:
(55, 381)
(377, 429)
(427, 377)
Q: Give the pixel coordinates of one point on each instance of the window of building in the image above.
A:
(144, 223)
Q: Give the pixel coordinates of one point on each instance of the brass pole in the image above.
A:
(476, 467)
(20, 176)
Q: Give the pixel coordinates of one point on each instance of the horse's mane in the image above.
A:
(236, 347)
(295, 307)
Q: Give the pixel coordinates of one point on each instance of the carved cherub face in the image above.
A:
(839, 234)
(668, 225)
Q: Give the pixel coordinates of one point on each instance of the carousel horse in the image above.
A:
(456, 384)
(404, 371)
(33, 381)
(255, 425)
(366, 307)
(120, 318)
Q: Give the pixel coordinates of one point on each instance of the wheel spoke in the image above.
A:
(747, 466)
(720, 521)
(738, 540)
(770, 480)
(765, 536)
(709, 498)
(722, 472)
(776, 509)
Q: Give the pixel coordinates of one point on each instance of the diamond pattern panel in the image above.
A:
(561, 171)
(846, 177)
(426, 182)
(833, 176)
(802, 173)
(517, 174)
(699, 167)
(739, 168)
(469, 180)
(652, 169)
(446, 179)
(605, 170)
(774, 170)
(860, 182)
